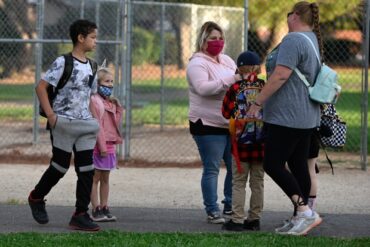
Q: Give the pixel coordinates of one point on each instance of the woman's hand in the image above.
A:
(253, 111)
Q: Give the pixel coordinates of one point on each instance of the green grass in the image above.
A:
(16, 92)
(116, 238)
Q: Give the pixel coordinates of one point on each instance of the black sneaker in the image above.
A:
(232, 226)
(83, 222)
(109, 217)
(97, 215)
(227, 213)
(38, 210)
(253, 225)
(227, 209)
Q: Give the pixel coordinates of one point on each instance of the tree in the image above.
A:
(17, 22)
(271, 15)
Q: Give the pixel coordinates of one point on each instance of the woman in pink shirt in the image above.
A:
(210, 74)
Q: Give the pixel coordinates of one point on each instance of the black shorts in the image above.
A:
(314, 146)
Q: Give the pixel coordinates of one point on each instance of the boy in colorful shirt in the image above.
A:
(247, 144)
(72, 127)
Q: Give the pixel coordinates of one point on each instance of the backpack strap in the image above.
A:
(234, 144)
(53, 91)
(318, 136)
(313, 46)
(67, 72)
(94, 68)
(300, 75)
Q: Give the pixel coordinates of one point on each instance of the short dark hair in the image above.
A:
(83, 27)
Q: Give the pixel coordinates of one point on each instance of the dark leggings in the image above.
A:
(288, 145)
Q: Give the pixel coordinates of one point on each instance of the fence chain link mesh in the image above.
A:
(34, 32)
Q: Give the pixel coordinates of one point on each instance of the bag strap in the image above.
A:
(318, 137)
(300, 75)
(313, 46)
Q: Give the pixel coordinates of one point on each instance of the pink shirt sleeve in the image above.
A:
(198, 76)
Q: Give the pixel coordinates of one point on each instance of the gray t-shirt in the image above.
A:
(291, 106)
(72, 101)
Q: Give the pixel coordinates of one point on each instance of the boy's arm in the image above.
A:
(41, 91)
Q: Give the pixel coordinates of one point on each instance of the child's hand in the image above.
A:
(103, 154)
(52, 119)
(115, 101)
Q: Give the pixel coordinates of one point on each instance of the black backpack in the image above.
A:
(67, 72)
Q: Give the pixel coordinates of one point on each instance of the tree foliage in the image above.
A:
(258, 14)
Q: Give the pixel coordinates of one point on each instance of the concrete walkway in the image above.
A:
(169, 200)
(17, 218)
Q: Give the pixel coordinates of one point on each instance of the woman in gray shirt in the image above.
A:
(290, 116)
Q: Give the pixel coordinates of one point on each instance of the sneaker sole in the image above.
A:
(221, 221)
(305, 232)
(77, 228)
(111, 219)
(105, 220)
(99, 219)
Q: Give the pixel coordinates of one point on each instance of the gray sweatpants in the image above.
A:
(70, 135)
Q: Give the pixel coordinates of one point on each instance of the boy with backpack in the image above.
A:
(247, 136)
(72, 126)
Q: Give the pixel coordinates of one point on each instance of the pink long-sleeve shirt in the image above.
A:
(208, 82)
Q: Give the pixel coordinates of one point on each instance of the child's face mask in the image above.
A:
(105, 91)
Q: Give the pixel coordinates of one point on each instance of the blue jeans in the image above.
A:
(212, 149)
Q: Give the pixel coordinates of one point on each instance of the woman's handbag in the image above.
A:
(332, 129)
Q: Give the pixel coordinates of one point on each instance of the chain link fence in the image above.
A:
(147, 45)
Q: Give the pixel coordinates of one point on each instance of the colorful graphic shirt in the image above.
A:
(72, 101)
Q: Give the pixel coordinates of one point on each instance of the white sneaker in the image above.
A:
(215, 218)
(287, 225)
(303, 224)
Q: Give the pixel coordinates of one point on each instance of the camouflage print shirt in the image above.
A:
(72, 101)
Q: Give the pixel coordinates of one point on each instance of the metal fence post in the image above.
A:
(118, 75)
(127, 75)
(38, 62)
(246, 9)
(365, 89)
(97, 21)
(162, 108)
(82, 9)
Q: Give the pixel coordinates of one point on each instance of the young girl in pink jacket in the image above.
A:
(108, 112)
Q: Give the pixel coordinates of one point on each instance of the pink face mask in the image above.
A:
(214, 47)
